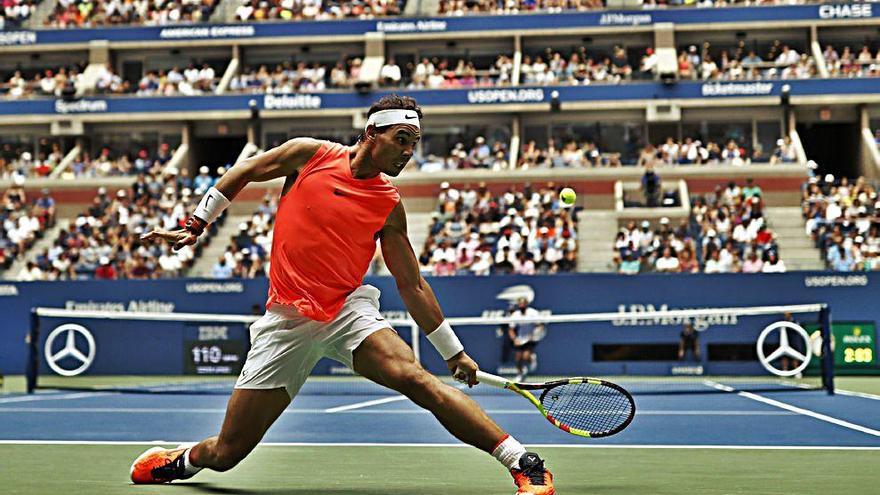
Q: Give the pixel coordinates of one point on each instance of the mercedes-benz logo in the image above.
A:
(70, 350)
(785, 348)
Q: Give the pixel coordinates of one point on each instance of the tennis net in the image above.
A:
(767, 348)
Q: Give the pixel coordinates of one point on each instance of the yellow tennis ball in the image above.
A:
(568, 196)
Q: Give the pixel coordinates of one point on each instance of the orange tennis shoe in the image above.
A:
(532, 478)
(158, 465)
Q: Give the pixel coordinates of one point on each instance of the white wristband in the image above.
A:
(444, 340)
(212, 205)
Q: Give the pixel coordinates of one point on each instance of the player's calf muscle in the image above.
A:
(414, 382)
(217, 455)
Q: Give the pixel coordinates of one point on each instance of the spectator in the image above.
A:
(390, 74)
(714, 264)
(751, 189)
(30, 273)
(773, 264)
(106, 270)
(630, 265)
(667, 262)
(784, 152)
(566, 264)
(221, 269)
(688, 340)
(840, 259)
(651, 187)
(202, 182)
(44, 208)
(688, 262)
(525, 337)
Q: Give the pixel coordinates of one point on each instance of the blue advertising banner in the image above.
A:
(473, 23)
(152, 347)
(428, 98)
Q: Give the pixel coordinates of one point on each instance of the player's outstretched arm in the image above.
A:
(280, 161)
(419, 298)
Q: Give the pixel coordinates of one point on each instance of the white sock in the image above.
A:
(508, 452)
(188, 467)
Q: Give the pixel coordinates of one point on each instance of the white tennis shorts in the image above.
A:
(285, 345)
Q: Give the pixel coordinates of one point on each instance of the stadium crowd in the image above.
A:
(726, 232)
(780, 61)
(14, 12)
(547, 67)
(247, 255)
(104, 240)
(108, 162)
(94, 13)
(586, 153)
(195, 79)
(692, 151)
(481, 154)
(288, 77)
(523, 232)
(580, 67)
(429, 73)
(18, 162)
(22, 222)
(316, 10)
(499, 7)
(843, 218)
(57, 82)
(847, 63)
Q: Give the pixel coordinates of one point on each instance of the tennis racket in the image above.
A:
(587, 407)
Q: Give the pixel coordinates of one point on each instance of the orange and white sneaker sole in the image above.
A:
(138, 476)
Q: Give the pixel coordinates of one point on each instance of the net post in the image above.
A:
(414, 337)
(33, 360)
(827, 353)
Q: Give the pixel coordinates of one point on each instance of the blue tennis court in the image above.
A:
(802, 419)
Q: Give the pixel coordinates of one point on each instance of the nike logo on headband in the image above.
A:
(384, 118)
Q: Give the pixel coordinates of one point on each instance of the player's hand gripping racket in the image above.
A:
(586, 407)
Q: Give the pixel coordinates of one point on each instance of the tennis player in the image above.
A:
(523, 336)
(336, 201)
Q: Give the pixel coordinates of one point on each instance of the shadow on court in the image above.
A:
(226, 490)
(211, 488)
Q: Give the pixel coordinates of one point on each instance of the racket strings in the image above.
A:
(589, 407)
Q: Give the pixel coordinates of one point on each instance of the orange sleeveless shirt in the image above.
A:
(325, 233)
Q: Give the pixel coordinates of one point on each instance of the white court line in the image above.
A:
(359, 405)
(33, 398)
(152, 410)
(799, 410)
(456, 445)
(856, 394)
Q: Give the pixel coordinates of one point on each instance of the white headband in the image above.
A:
(383, 118)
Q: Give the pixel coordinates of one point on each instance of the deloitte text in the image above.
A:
(291, 102)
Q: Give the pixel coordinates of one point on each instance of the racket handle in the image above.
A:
(490, 379)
